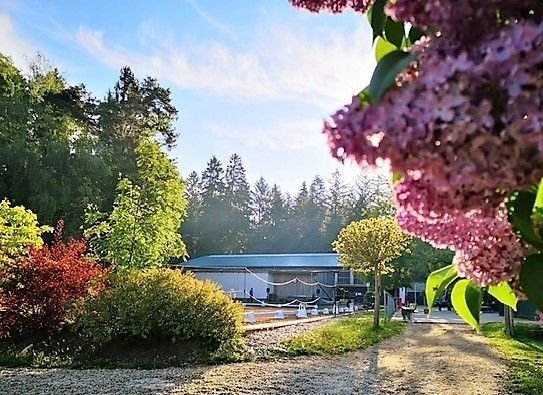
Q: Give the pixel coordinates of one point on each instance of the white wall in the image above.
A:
(238, 282)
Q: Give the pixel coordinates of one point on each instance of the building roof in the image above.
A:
(280, 261)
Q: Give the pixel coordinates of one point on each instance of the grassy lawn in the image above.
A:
(347, 334)
(525, 353)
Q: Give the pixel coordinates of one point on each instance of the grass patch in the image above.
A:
(525, 355)
(347, 334)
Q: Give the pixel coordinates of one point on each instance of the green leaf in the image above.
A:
(531, 279)
(377, 17)
(438, 281)
(386, 71)
(504, 294)
(396, 176)
(414, 34)
(381, 48)
(394, 32)
(466, 298)
(520, 207)
(406, 43)
(364, 96)
(537, 210)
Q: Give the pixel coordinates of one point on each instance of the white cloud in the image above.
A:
(12, 44)
(281, 136)
(278, 62)
(115, 57)
(217, 24)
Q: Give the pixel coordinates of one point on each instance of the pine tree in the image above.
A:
(374, 197)
(237, 197)
(299, 221)
(131, 113)
(191, 228)
(261, 199)
(213, 186)
(338, 207)
(289, 236)
(278, 235)
(261, 202)
(316, 212)
(213, 218)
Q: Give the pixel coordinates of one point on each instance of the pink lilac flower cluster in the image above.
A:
(464, 128)
(334, 6)
(450, 123)
(462, 21)
(487, 249)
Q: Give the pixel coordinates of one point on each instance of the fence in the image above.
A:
(390, 304)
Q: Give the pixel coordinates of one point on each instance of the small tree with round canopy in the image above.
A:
(368, 247)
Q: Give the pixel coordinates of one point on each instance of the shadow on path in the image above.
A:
(426, 359)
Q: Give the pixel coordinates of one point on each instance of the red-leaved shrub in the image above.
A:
(35, 291)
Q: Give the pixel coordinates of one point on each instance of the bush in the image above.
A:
(19, 230)
(37, 290)
(160, 303)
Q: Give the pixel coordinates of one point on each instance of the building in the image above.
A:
(279, 277)
(414, 294)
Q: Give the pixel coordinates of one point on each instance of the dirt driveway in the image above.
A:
(426, 359)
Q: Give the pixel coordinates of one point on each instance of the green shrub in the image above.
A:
(160, 303)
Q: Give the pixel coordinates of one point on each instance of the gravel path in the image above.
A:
(426, 359)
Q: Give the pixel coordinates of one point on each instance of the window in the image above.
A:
(344, 277)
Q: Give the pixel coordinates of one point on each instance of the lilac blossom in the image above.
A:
(487, 249)
(334, 6)
(470, 124)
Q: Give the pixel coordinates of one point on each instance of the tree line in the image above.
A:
(226, 215)
(63, 150)
(99, 165)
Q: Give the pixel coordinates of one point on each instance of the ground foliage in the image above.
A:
(524, 353)
(346, 334)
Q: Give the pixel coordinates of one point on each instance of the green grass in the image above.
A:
(525, 355)
(347, 334)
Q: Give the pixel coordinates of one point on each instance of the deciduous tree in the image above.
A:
(368, 247)
(142, 230)
(19, 230)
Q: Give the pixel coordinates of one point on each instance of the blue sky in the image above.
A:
(256, 77)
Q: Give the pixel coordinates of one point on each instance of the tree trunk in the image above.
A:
(377, 304)
(508, 318)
